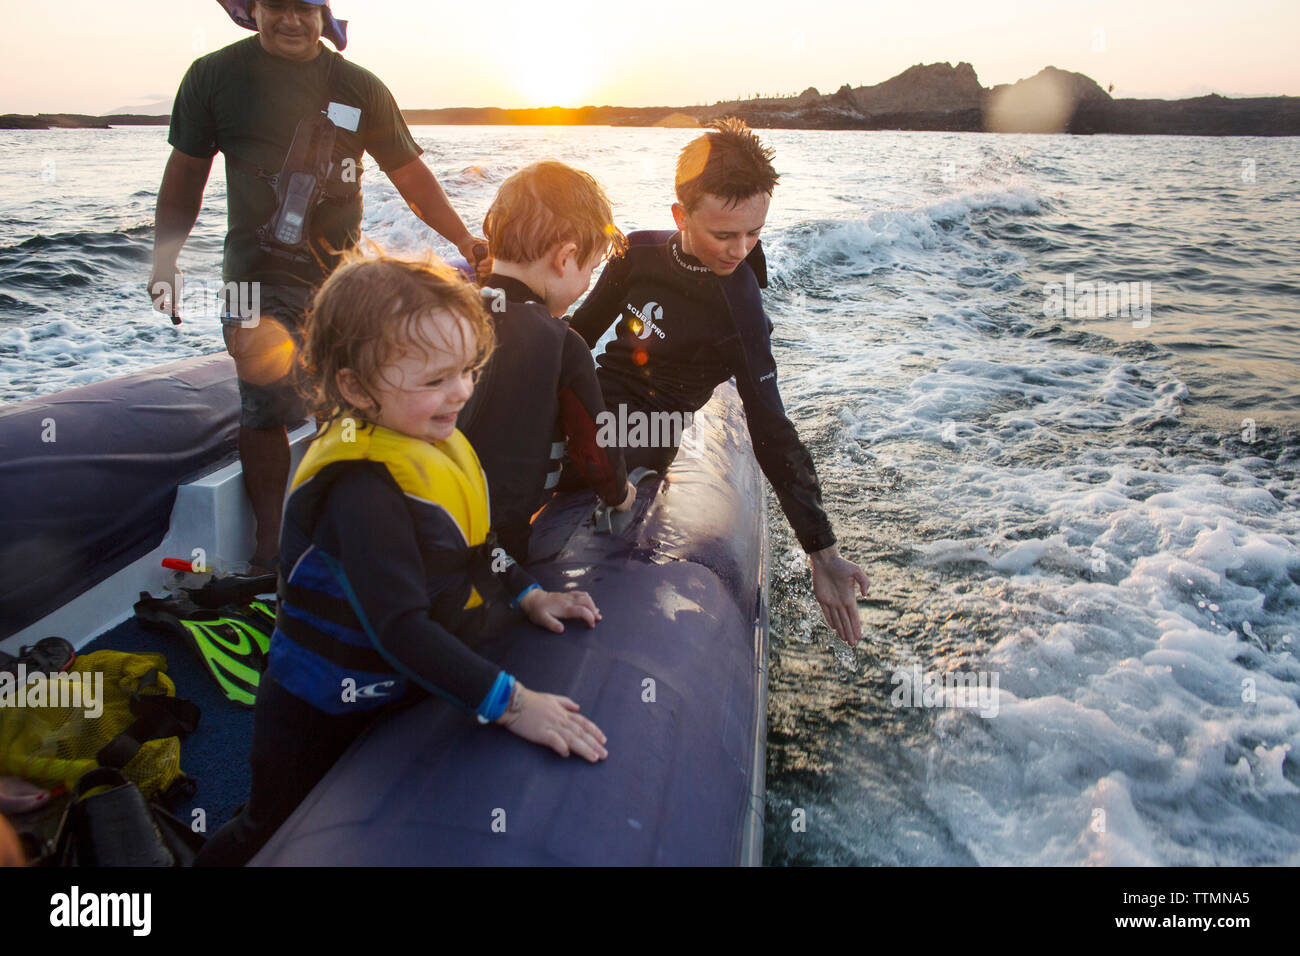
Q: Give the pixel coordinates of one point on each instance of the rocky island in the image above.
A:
(939, 96)
(935, 96)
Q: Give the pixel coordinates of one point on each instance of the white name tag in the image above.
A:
(344, 117)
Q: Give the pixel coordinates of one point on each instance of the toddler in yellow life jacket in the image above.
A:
(388, 564)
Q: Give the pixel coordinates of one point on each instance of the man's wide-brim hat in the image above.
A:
(336, 31)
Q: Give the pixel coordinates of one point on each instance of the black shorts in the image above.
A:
(279, 402)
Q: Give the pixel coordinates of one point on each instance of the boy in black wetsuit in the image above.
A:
(690, 316)
(547, 230)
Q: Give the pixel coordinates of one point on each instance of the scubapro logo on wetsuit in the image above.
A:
(683, 263)
(647, 320)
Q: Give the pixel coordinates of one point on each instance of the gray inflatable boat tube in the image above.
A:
(88, 476)
(674, 674)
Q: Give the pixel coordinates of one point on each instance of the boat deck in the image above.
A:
(216, 754)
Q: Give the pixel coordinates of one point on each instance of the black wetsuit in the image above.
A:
(682, 330)
(538, 388)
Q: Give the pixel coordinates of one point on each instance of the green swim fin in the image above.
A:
(231, 642)
(262, 613)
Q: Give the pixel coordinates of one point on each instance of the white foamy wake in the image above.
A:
(1137, 597)
(1145, 648)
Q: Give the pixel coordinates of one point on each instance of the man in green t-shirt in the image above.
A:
(259, 102)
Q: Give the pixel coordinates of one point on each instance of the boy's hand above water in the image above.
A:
(547, 608)
(553, 721)
(833, 581)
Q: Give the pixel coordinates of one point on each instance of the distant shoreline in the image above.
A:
(936, 97)
(1202, 116)
(1266, 116)
(77, 121)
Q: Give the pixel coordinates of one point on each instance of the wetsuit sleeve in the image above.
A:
(581, 404)
(388, 138)
(367, 526)
(193, 130)
(599, 310)
(517, 581)
(784, 458)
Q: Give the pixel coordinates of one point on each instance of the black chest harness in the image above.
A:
(308, 177)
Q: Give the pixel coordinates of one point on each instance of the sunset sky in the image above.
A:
(90, 57)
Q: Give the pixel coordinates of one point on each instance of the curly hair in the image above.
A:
(369, 311)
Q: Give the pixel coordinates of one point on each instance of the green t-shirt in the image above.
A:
(246, 103)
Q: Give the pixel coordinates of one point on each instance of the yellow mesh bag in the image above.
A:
(55, 744)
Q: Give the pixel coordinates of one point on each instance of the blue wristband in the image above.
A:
(520, 596)
(497, 699)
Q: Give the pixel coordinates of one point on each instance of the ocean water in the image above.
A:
(1051, 387)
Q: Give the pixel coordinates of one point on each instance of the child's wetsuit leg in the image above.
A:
(294, 746)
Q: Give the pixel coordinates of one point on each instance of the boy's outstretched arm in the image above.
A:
(602, 306)
(788, 466)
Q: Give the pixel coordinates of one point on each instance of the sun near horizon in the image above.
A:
(558, 80)
(517, 54)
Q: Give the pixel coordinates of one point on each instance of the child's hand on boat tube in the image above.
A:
(553, 721)
(547, 608)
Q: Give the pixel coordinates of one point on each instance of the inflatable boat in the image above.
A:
(100, 483)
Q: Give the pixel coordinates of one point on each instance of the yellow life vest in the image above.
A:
(444, 474)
